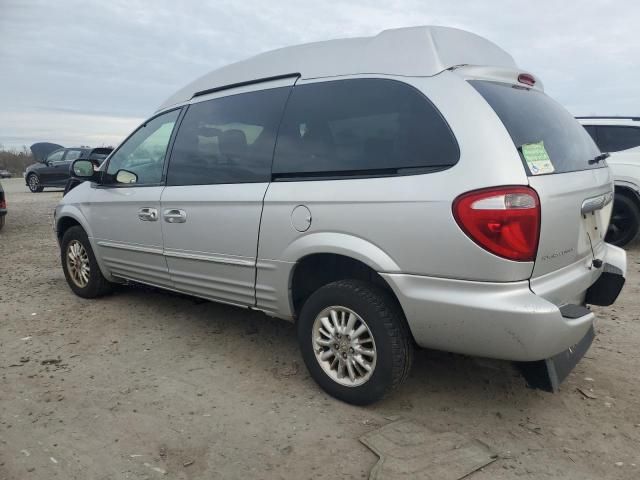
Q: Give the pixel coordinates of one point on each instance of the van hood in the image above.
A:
(41, 150)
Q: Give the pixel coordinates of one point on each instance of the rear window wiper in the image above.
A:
(599, 158)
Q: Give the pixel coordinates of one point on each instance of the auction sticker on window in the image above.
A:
(537, 158)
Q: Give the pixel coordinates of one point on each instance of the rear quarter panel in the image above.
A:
(398, 224)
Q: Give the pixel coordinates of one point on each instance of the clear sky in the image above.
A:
(88, 71)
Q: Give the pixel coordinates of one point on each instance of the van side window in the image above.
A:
(361, 126)
(617, 138)
(143, 152)
(228, 139)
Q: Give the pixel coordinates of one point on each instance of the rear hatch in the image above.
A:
(42, 150)
(560, 159)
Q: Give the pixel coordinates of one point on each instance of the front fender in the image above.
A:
(72, 211)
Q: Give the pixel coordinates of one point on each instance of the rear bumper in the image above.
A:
(3, 212)
(498, 320)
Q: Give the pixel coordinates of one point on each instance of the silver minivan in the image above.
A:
(412, 188)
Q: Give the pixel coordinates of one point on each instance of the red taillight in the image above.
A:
(504, 220)
(527, 79)
(3, 203)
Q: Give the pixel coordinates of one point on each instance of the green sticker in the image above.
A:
(537, 158)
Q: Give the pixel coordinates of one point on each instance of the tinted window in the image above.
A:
(72, 155)
(56, 156)
(143, 153)
(228, 140)
(591, 130)
(530, 116)
(615, 139)
(361, 126)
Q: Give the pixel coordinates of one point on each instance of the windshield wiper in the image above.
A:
(599, 158)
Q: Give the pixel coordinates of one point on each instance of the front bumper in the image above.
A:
(500, 320)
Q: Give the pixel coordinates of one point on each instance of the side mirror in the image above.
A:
(125, 176)
(83, 169)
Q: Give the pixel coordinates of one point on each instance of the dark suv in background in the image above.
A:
(54, 163)
(620, 138)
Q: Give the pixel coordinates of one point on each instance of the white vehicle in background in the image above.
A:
(620, 137)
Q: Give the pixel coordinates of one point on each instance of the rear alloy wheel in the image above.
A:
(625, 221)
(354, 341)
(80, 266)
(34, 183)
(344, 346)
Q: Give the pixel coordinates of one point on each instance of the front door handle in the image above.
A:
(174, 215)
(148, 214)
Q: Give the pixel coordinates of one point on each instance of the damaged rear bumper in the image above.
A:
(548, 374)
(516, 321)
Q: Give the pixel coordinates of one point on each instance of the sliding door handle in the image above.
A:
(174, 215)
(148, 214)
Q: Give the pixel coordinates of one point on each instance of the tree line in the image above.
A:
(15, 160)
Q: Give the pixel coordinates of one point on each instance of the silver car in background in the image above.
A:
(415, 187)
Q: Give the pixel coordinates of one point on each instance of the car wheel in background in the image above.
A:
(355, 341)
(2, 222)
(625, 221)
(34, 183)
(80, 266)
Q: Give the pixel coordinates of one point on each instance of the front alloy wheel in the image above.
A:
(78, 263)
(80, 266)
(34, 183)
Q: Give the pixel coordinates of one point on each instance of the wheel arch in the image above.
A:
(628, 189)
(341, 244)
(323, 258)
(69, 216)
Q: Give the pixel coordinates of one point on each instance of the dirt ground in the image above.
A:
(148, 384)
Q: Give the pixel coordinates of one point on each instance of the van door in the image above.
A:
(47, 171)
(125, 218)
(218, 174)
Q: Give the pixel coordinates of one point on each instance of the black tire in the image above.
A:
(625, 221)
(387, 325)
(2, 221)
(33, 182)
(97, 285)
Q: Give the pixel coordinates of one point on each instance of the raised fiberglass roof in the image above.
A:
(414, 51)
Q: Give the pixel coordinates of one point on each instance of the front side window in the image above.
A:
(362, 126)
(617, 138)
(55, 156)
(228, 139)
(143, 152)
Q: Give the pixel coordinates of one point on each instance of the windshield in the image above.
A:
(540, 125)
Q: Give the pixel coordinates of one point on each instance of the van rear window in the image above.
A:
(531, 117)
